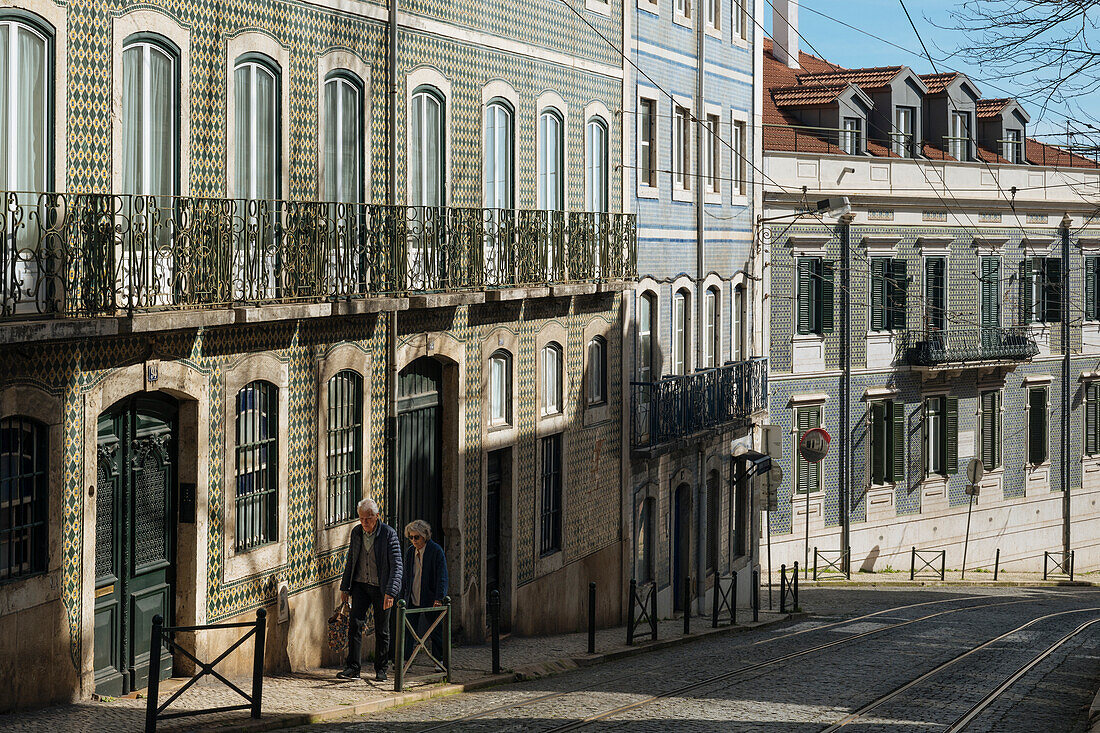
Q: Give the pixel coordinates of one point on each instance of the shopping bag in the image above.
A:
(338, 628)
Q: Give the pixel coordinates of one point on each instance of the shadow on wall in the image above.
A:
(868, 565)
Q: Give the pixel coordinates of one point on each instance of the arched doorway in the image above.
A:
(135, 537)
(681, 544)
(420, 445)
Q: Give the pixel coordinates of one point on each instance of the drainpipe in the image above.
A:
(391, 316)
(700, 300)
(1066, 545)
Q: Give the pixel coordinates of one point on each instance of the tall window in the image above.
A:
(647, 311)
(1040, 290)
(500, 388)
(551, 379)
(426, 159)
(681, 332)
(256, 140)
(990, 428)
(24, 487)
(683, 7)
(935, 293)
(712, 155)
(1092, 288)
(257, 468)
(498, 158)
(1092, 418)
(550, 515)
(681, 149)
(740, 347)
(815, 295)
(595, 162)
(551, 161)
(807, 475)
(597, 371)
(150, 110)
(713, 13)
(345, 446)
(903, 131)
(887, 441)
(889, 284)
(343, 138)
(941, 435)
(647, 142)
(645, 540)
(1012, 146)
(740, 24)
(712, 332)
(1037, 425)
(25, 103)
(959, 142)
(851, 140)
(740, 160)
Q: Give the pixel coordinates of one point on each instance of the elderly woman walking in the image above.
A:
(425, 582)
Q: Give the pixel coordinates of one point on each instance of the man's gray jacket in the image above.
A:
(387, 557)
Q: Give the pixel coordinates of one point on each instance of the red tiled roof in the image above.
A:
(1042, 154)
(869, 78)
(991, 107)
(805, 95)
(938, 82)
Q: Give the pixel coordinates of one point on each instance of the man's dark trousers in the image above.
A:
(365, 596)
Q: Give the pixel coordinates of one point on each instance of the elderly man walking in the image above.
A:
(372, 578)
(425, 582)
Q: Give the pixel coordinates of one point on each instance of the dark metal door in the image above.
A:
(681, 550)
(419, 440)
(494, 479)
(135, 538)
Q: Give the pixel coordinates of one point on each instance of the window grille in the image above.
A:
(550, 520)
(23, 497)
(345, 446)
(257, 465)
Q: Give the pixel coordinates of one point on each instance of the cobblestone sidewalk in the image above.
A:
(314, 695)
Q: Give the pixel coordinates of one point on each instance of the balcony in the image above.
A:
(675, 408)
(104, 255)
(966, 346)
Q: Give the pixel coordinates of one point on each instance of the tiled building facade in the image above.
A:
(227, 369)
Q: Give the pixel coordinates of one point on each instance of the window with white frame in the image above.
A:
(740, 159)
(595, 163)
(500, 388)
(256, 139)
(597, 371)
(426, 158)
(552, 379)
(683, 8)
(647, 312)
(903, 131)
(647, 142)
(1012, 146)
(550, 161)
(681, 149)
(713, 13)
(851, 139)
(681, 332)
(343, 138)
(25, 102)
(959, 141)
(740, 347)
(344, 457)
(712, 332)
(740, 21)
(498, 163)
(150, 111)
(712, 154)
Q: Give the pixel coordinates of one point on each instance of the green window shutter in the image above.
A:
(826, 322)
(998, 438)
(1052, 290)
(878, 293)
(1026, 306)
(1090, 288)
(898, 448)
(989, 430)
(951, 434)
(1037, 425)
(878, 442)
(935, 290)
(1090, 419)
(896, 295)
(805, 295)
(991, 292)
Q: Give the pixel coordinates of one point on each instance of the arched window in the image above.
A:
(712, 332)
(257, 466)
(256, 138)
(345, 446)
(551, 161)
(343, 137)
(500, 388)
(150, 114)
(647, 312)
(498, 160)
(24, 491)
(26, 101)
(597, 371)
(681, 332)
(740, 349)
(551, 379)
(426, 161)
(595, 162)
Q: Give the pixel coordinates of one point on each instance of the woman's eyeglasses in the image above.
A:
(414, 537)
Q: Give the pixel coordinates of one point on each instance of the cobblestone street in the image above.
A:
(994, 659)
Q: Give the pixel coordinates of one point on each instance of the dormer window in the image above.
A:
(1012, 147)
(959, 141)
(903, 131)
(851, 139)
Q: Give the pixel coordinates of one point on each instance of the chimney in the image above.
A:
(785, 32)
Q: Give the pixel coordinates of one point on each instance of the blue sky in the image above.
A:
(885, 18)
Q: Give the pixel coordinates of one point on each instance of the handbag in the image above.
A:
(338, 628)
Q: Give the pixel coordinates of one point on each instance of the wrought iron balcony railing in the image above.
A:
(961, 345)
(103, 254)
(676, 407)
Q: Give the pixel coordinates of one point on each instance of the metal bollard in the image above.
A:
(687, 605)
(592, 618)
(794, 593)
(912, 563)
(653, 613)
(783, 588)
(399, 639)
(815, 563)
(997, 564)
(154, 676)
(494, 628)
(755, 595)
(447, 641)
(848, 563)
(1071, 564)
(733, 598)
(258, 662)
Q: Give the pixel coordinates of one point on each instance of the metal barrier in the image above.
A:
(642, 610)
(1054, 566)
(928, 562)
(788, 586)
(724, 599)
(442, 617)
(163, 635)
(494, 628)
(841, 565)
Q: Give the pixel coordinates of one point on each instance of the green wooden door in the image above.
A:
(419, 444)
(135, 538)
